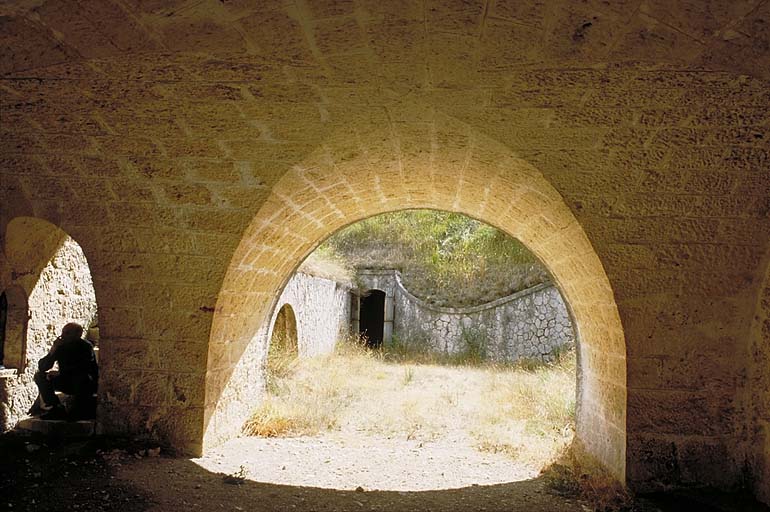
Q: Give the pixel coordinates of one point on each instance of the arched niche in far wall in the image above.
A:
(14, 314)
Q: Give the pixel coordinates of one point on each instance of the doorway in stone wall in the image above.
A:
(372, 317)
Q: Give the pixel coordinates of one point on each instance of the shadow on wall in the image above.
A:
(758, 390)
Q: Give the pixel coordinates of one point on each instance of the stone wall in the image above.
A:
(62, 293)
(531, 324)
(322, 311)
(222, 155)
(758, 453)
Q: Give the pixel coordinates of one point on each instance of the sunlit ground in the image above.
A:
(353, 420)
(337, 461)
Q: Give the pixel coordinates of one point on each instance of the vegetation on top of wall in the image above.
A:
(325, 262)
(447, 259)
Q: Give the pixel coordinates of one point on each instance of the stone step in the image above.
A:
(7, 373)
(57, 428)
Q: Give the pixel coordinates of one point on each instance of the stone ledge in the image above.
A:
(58, 428)
(470, 309)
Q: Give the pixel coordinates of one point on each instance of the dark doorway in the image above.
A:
(372, 317)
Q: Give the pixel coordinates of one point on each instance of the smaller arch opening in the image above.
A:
(13, 328)
(284, 347)
(50, 286)
(371, 317)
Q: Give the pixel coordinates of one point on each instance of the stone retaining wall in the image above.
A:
(321, 310)
(531, 324)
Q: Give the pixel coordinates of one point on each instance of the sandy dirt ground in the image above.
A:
(347, 462)
(402, 437)
(327, 475)
(102, 474)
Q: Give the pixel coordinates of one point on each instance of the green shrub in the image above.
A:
(445, 258)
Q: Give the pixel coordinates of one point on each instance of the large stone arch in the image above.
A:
(356, 175)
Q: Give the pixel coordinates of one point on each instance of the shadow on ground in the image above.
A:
(179, 482)
(43, 473)
(39, 474)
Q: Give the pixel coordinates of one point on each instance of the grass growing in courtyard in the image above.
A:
(526, 412)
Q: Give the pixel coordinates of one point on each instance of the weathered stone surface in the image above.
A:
(625, 143)
(756, 397)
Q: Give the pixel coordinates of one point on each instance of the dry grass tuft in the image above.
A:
(282, 358)
(270, 420)
(528, 410)
(305, 396)
(324, 263)
(526, 413)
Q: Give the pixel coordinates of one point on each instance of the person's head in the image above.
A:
(71, 331)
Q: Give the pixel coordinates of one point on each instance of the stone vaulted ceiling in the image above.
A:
(171, 122)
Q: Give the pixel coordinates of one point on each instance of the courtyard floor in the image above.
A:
(352, 432)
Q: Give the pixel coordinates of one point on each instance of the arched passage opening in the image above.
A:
(454, 171)
(371, 317)
(13, 327)
(47, 284)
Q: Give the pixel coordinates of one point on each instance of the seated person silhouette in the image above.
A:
(78, 375)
